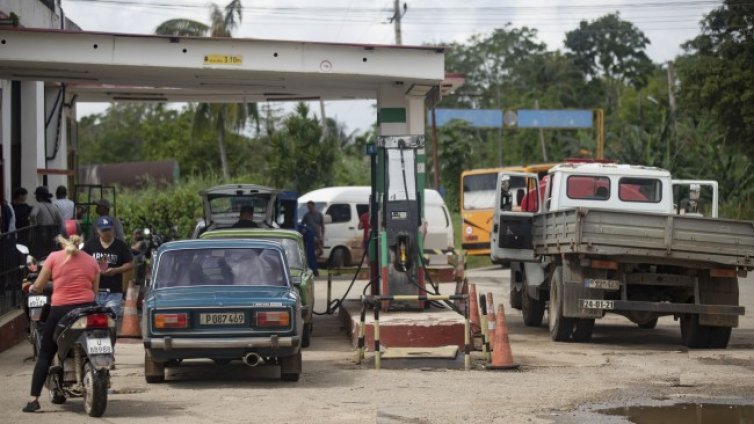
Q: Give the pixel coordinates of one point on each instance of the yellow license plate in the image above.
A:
(226, 318)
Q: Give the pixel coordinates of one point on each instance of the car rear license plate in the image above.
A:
(37, 301)
(601, 283)
(597, 304)
(99, 346)
(226, 318)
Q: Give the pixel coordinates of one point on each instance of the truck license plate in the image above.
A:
(222, 319)
(99, 346)
(37, 301)
(597, 304)
(601, 283)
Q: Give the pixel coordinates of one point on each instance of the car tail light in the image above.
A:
(171, 320)
(93, 321)
(96, 321)
(723, 273)
(604, 264)
(273, 319)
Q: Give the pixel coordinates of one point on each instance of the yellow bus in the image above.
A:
(478, 202)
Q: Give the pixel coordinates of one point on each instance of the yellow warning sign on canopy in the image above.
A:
(223, 59)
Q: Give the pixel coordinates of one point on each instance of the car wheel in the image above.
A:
(154, 372)
(290, 367)
(338, 258)
(306, 339)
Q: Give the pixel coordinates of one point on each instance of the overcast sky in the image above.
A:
(666, 23)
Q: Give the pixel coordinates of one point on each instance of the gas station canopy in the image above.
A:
(103, 67)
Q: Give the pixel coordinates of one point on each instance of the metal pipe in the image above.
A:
(253, 359)
(466, 337)
(362, 332)
(377, 354)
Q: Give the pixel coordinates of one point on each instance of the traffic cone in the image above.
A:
(502, 357)
(491, 319)
(129, 327)
(476, 328)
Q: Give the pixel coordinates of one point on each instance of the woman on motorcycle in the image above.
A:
(75, 275)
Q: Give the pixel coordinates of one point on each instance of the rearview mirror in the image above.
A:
(22, 249)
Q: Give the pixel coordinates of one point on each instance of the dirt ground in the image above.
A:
(558, 382)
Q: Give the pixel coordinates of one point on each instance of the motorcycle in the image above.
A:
(81, 367)
(37, 305)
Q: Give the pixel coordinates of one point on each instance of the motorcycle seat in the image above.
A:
(77, 313)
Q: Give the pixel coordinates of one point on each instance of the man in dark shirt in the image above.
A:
(21, 209)
(114, 258)
(246, 218)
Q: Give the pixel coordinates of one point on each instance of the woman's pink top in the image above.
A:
(72, 280)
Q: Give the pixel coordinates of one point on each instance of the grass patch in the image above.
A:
(471, 261)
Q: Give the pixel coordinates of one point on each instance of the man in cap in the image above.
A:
(103, 209)
(114, 258)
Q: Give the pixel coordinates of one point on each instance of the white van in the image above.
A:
(343, 238)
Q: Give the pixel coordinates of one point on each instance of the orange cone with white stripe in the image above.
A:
(476, 328)
(502, 357)
(129, 327)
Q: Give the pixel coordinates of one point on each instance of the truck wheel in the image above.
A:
(338, 258)
(290, 367)
(648, 325)
(533, 310)
(154, 372)
(561, 328)
(583, 331)
(719, 337)
(516, 296)
(693, 334)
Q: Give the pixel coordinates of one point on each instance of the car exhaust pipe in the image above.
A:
(253, 359)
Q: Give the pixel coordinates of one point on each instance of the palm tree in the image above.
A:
(223, 117)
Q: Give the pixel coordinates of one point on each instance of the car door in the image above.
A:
(517, 200)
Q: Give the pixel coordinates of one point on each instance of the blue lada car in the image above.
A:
(223, 300)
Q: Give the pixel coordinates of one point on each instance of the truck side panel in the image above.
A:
(602, 232)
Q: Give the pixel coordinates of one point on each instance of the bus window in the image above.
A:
(479, 191)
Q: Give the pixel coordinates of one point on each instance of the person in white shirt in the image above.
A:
(65, 205)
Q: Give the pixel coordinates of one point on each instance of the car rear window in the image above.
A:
(588, 187)
(220, 267)
(642, 190)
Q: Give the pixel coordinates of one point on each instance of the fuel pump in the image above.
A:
(397, 190)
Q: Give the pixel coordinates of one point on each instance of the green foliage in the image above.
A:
(612, 48)
(456, 143)
(300, 158)
(717, 72)
(111, 137)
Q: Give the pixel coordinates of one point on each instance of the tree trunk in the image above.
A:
(223, 154)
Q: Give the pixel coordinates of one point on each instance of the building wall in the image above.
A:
(37, 103)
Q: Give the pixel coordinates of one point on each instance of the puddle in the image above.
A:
(686, 413)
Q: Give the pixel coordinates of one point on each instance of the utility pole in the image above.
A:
(672, 106)
(396, 20)
(541, 136)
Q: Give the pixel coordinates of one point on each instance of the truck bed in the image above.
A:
(669, 238)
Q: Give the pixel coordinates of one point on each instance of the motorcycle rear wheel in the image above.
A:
(95, 390)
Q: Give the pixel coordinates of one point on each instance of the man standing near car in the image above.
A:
(114, 258)
(314, 220)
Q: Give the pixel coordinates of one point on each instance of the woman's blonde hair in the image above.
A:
(70, 244)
